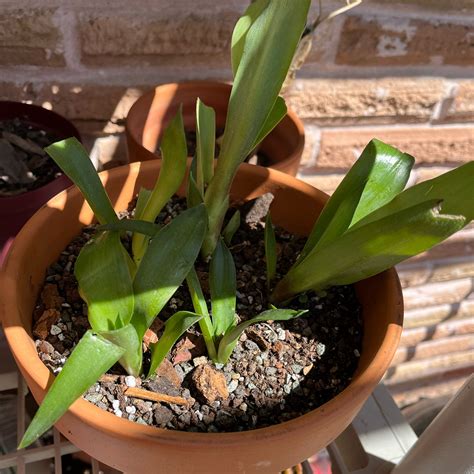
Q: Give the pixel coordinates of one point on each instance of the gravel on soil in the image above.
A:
(24, 165)
(278, 370)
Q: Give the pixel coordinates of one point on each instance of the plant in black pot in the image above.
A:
(28, 176)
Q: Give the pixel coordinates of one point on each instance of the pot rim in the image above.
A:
(63, 180)
(29, 361)
(224, 86)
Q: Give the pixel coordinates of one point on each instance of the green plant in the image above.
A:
(126, 292)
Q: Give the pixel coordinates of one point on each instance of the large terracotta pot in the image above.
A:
(135, 448)
(16, 210)
(151, 113)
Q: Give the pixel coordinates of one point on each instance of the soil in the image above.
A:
(278, 370)
(24, 166)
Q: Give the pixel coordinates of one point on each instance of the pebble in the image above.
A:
(116, 404)
(320, 349)
(130, 381)
(281, 334)
(93, 397)
(55, 330)
(233, 385)
(199, 361)
(296, 368)
(250, 345)
(131, 410)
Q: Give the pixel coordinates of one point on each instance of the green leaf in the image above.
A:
(92, 357)
(275, 116)
(131, 225)
(366, 250)
(266, 46)
(231, 227)
(270, 249)
(102, 270)
(454, 189)
(377, 177)
(168, 260)
(127, 338)
(241, 29)
(193, 195)
(143, 197)
(205, 144)
(223, 286)
(200, 307)
(175, 327)
(73, 159)
(173, 167)
(229, 341)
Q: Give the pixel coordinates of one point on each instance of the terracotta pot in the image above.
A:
(16, 210)
(151, 113)
(135, 448)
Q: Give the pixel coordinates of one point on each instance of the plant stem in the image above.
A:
(200, 306)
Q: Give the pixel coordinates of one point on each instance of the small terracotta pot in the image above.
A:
(150, 114)
(16, 210)
(135, 448)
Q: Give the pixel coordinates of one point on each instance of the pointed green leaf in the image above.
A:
(369, 249)
(131, 225)
(103, 273)
(175, 327)
(200, 307)
(205, 144)
(270, 249)
(377, 177)
(241, 29)
(268, 47)
(223, 286)
(276, 115)
(231, 227)
(143, 197)
(454, 189)
(169, 258)
(91, 358)
(73, 159)
(127, 338)
(173, 167)
(229, 341)
(193, 195)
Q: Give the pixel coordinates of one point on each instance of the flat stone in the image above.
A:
(210, 383)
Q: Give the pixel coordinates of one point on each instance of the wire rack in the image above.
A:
(17, 460)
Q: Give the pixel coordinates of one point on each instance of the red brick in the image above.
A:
(432, 272)
(413, 336)
(462, 108)
(30, 36)
(365, 101)
(434, 145)
(422, 368)
(432, 315)
(440, 384)
(391, 41)
(433, 294)
(76, 101)
(155, 37)
(428, 349)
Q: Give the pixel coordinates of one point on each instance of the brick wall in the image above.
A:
(401, 71)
